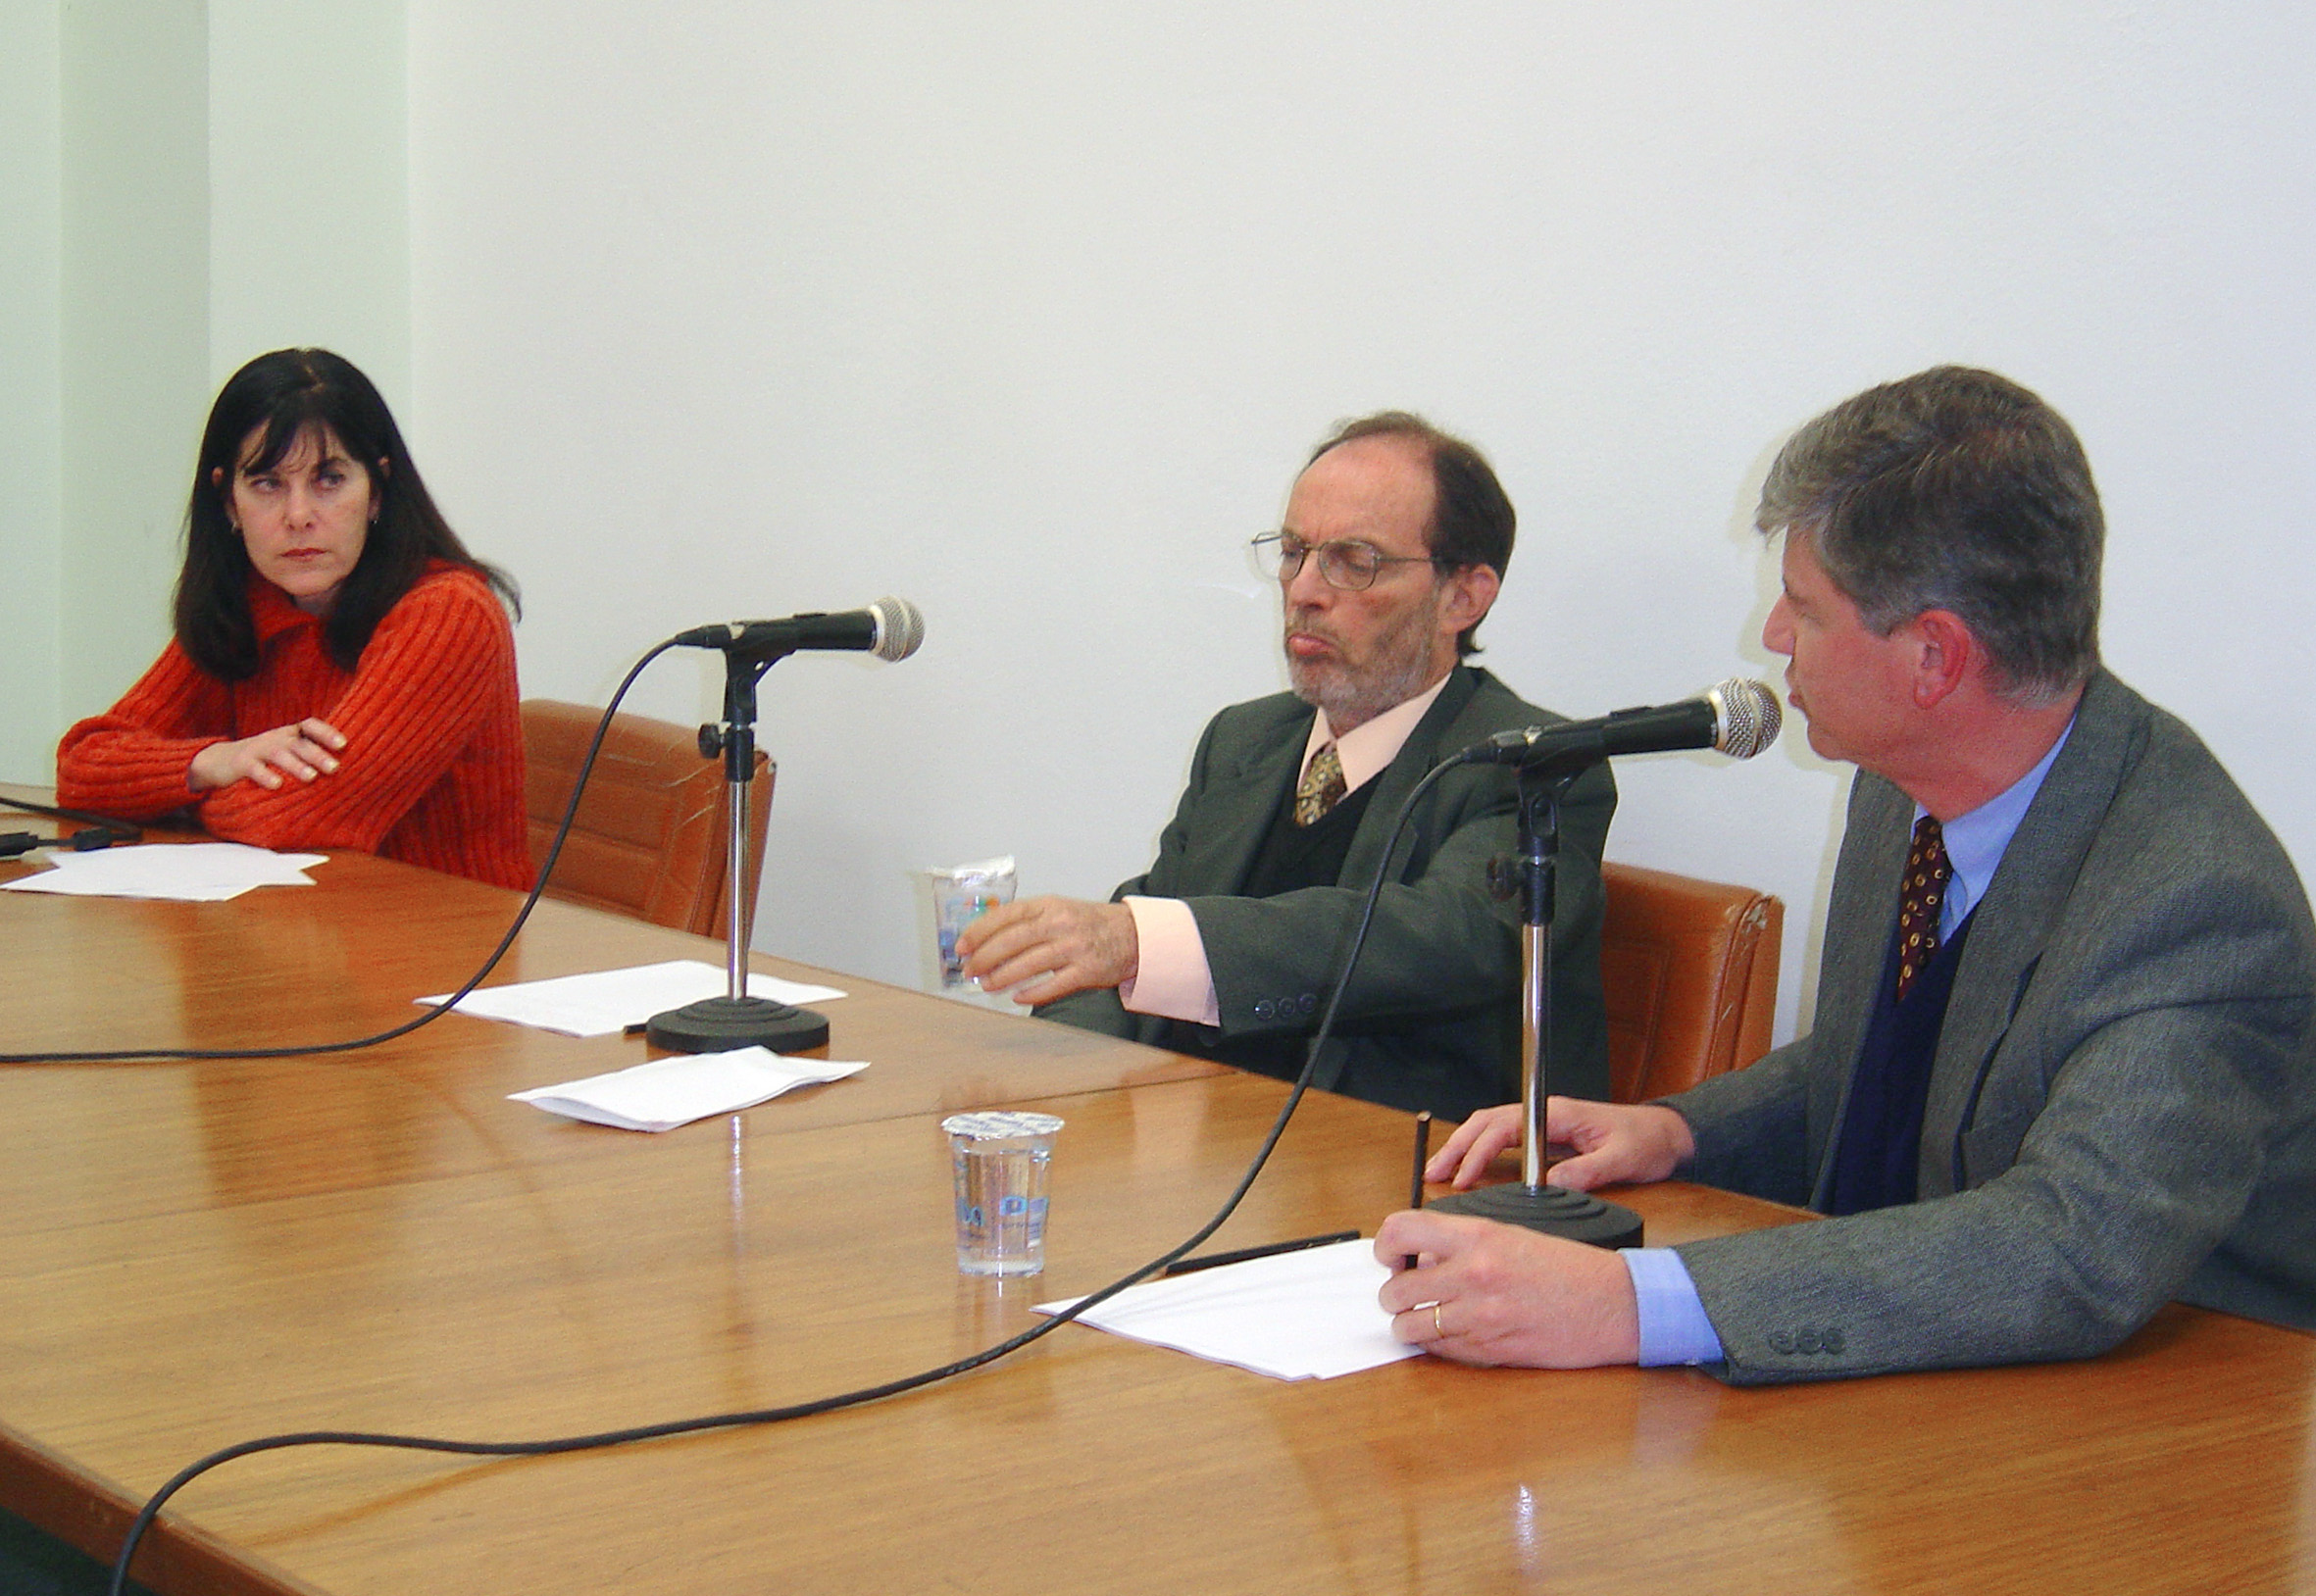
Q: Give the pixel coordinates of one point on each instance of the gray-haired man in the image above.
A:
(2061, 1066)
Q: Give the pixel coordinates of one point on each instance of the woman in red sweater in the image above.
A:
(343, 670)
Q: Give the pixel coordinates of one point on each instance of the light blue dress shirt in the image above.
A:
(1674, 1327)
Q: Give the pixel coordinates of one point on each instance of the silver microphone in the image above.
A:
(892, 629)
(1737, 717)
(900, 632)
(1747, 716)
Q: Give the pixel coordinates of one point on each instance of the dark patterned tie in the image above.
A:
(1322, 786)
(1928, 870)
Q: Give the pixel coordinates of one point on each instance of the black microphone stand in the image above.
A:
(1531, 1204)
(718, 1024)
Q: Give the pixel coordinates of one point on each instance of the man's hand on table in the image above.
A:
(1490, 1293)
(1608, 1143)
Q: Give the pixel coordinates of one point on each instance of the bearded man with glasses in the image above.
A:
(1394, 542)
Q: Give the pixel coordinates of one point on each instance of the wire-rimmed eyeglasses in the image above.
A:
(1346, 563)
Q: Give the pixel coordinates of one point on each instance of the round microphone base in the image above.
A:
(718, 1024)
(1553, 1209)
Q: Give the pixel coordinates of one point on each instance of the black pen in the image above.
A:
(1186, 1266)
(1415, 1182)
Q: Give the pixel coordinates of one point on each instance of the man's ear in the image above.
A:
(1471, 594)
(1945, 652)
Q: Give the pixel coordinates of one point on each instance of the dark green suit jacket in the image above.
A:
(1431, 1020)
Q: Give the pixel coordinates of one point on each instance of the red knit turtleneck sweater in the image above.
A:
(431, 772)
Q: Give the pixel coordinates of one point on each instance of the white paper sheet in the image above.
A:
(179, 872)
(608, 1001)
(1309, 1315)
(669, 1092)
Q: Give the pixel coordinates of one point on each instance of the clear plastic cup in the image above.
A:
(950, 900)
(998, 1161)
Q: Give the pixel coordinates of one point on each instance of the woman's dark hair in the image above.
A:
(289, 393)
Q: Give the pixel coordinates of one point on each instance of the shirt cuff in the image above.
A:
(1173, 980)
(1673, 1329)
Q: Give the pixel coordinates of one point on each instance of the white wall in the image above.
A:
(1027, 311)
(133, 244)
(309, 186)
(183, 184)
(31, 396)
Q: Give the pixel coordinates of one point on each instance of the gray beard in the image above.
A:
(1400, 669)
(1350, 703)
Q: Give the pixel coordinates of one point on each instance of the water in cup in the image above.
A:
(998, 1161)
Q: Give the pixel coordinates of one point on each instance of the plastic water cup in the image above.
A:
(998, 1160)
(955, 898)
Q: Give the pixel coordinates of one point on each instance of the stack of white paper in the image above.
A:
(181, 872)
(609, 1001)
(1309, 1315)
(668, 1092)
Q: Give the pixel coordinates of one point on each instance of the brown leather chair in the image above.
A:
(1689, 971)
(649, 840)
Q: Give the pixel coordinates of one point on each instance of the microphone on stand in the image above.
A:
(892, 629)
(1740, 719)
(1737, 717)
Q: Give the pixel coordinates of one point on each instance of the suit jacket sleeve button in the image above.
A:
(1262, 1009)
(1306, 1003)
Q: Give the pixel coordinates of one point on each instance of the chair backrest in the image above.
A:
(1689, 973)
(651, 838)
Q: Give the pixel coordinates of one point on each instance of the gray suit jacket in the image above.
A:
(1431, 1019)
(2120, 1110)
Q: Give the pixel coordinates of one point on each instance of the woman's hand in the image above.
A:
(306, 750)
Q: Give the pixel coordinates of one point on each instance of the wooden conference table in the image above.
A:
(196, 1254)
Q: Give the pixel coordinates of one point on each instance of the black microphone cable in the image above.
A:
(869, 1393)
(546, 871)
(97, 831)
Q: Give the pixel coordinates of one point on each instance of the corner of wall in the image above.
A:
(31, 423)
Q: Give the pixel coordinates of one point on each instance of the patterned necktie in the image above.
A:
(1322, 786)
(1928, 870)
